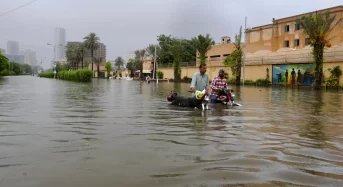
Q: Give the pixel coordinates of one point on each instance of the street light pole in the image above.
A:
(54, 59)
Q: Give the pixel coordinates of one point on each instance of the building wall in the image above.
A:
(12, 48)
(60, 43)
(274, 34)
(252, 72)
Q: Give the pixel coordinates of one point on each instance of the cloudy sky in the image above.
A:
(126, 25)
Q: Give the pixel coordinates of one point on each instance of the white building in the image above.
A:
(60, 43)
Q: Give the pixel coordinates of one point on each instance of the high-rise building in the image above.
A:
(12, 47)
(29, 57)
(60, 42)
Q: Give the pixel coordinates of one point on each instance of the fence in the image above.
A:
(182, 64)
(301, 56)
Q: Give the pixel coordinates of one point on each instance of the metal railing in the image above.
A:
(330, 55)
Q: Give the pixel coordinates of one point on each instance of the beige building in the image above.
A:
(285, 33)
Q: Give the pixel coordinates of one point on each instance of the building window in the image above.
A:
(307, 41)
(287, 28)
(286, 43)
(297, 27)
(225, 55)
(296, 42)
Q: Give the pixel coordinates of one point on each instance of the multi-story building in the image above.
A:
(60, 42)
(12, 48)
(285, 33)
(29, 57)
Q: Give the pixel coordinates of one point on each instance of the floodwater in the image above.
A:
(124, 133)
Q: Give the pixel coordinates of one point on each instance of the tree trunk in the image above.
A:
(98, 70)
(92, 62)
(318, 53)
(141, 69)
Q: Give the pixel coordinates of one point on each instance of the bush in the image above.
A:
(249, 82)
(263, 81)
(231, 81)
(47, 74)
(4, 72)
(159, 74)
(82, 75)
(186, 79)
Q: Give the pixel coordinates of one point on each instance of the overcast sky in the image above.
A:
(126, 25)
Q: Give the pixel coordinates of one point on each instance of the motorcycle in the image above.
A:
(226, 97)
(200, 100)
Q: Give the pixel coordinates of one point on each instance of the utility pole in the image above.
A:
(154, 72)
(245, 48)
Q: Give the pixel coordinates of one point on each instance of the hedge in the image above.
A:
(82, 75)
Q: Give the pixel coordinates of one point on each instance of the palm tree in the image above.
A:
(203, 44)
(81, 53)
(92, 43)
(151, 53)
(119, 61)
(98, 62)
(132, 65)
(140, 54)
(71, 54)
(318, 28)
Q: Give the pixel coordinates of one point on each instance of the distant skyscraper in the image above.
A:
(60, 42)
(12, 48)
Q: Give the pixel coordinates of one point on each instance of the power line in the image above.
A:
(2, 14)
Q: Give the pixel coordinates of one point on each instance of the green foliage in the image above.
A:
(262, 81)
(234, 60)
(4, 72)
(120, 74)
(226, 75)
(119, 61)
(132, 65)
(202, 45)
(108, 67)
(165, 53)
(177, 50)
(61, 66)
(267, 74)
(187, 79)
(81, 75)
(47, 74)
(3, 62)
(336, 73)
(91, 42)
(249, 82)
(318, 28)
(159, 74)
(139, 56)
(86, 64)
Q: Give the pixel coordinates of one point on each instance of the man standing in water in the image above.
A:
(200, 80)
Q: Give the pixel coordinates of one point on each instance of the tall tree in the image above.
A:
(318, 28)
(108, 67)
(150, 50)
(177, 51)
(119, 61)
(3, 62)
(234, 60)
(71, 54)
(132, 65)
(92, 43)
(203, 44)
(140, 54)
(81, 53)
(98, 61)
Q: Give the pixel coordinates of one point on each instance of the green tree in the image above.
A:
(177, 51)
(119, 61)
(72, 55)
(81, 51)
(98, 61)
(132, 65)
(150, 50)
(318, 28)
(92, 43)
(108, 67)
(140, 54)
(3, 63)
(203, 44)
(234, 60)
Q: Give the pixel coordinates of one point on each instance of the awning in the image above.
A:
(144, 71)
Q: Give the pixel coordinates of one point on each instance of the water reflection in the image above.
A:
(127, 133)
